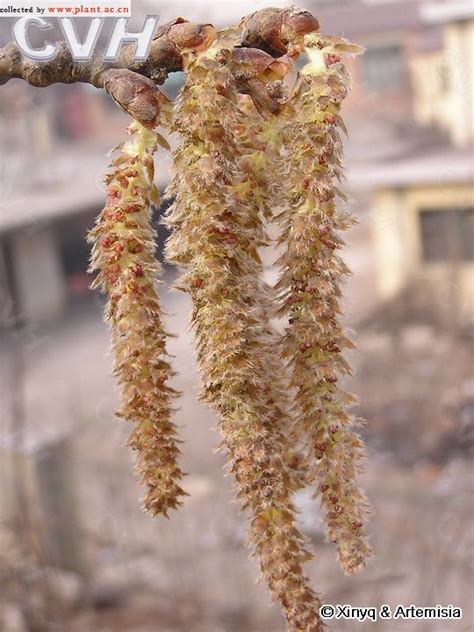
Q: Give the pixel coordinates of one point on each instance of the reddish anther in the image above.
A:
(137, 270)
(134, 248)
(232, 240)
(331, 58)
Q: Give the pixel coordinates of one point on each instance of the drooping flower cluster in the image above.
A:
(215, 235)
(258, 142)
(249, 149)
(123, 256)
(310, 291)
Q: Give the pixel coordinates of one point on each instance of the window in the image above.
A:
(383, 68)
(447, 235)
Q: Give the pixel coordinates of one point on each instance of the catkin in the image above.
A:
(310, 292)
(258, 145)
(123, 257)
(214, 240)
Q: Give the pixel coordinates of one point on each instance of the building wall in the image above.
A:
(365, 101)
(431, 98)
(398, 246)
(443, 83)
(459, 50)
(38, 274)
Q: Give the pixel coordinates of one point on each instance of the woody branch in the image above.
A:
(132, 83)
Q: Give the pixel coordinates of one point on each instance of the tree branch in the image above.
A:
(132, 83)
(164, 56)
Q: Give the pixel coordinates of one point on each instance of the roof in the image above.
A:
(70, 184)
(362, 18)
(441, 166)
(454, 11)
(73, 184)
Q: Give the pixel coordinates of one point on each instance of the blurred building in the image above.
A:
(411, 117)
(409, 149)
(53, 146)
(381, 77)
(427, 199)
(443, 74)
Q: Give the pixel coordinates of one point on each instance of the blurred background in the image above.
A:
(76, 551)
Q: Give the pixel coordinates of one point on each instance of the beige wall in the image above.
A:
(443, 84)
(431, 99)
(459, 50)
(398, 249)
(365, 103)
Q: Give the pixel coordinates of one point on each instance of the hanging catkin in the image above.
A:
(123, 256)
(310, 287)
(214, 239)
(258, 145)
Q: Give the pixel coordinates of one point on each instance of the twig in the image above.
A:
(132, 84)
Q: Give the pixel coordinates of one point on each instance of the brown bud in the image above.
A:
(249, 62)
(273, 29)
(189, 36)
(300, 22)
(135, 94)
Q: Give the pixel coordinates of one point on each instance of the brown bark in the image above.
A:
(168, 44)
(132, 83)
(268, 30)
